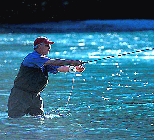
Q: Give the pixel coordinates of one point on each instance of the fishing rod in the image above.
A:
(123, 54)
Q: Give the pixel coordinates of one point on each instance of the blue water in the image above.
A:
(113, 99)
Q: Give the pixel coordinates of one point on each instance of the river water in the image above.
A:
(113, 99)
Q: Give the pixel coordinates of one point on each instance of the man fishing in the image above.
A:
(32, 78)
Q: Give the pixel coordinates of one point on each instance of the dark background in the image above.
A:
(34, 11)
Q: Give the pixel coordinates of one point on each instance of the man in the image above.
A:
(33, 77)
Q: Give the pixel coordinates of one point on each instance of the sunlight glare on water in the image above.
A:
(112, 99)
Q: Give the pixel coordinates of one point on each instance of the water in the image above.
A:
(112, 99)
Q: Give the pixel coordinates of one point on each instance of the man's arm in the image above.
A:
(59, 62)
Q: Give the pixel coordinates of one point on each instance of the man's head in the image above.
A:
(42, 39)
(42, 45)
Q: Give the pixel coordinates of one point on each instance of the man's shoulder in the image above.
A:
(33, 54)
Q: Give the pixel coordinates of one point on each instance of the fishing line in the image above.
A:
(71, 92)
(67, 109)
(119, 55)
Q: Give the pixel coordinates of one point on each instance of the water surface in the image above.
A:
(113, 99)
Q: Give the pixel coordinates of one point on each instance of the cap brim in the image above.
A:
(50, 42)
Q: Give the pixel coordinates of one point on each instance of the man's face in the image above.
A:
(45, 48)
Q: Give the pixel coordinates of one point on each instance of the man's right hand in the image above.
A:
(80, 68)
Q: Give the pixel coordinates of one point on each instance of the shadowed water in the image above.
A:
(113, 99)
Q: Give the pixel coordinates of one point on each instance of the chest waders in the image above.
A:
(31, 79)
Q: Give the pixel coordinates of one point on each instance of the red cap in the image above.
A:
(40, 40)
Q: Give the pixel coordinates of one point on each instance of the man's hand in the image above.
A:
(79, 68)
